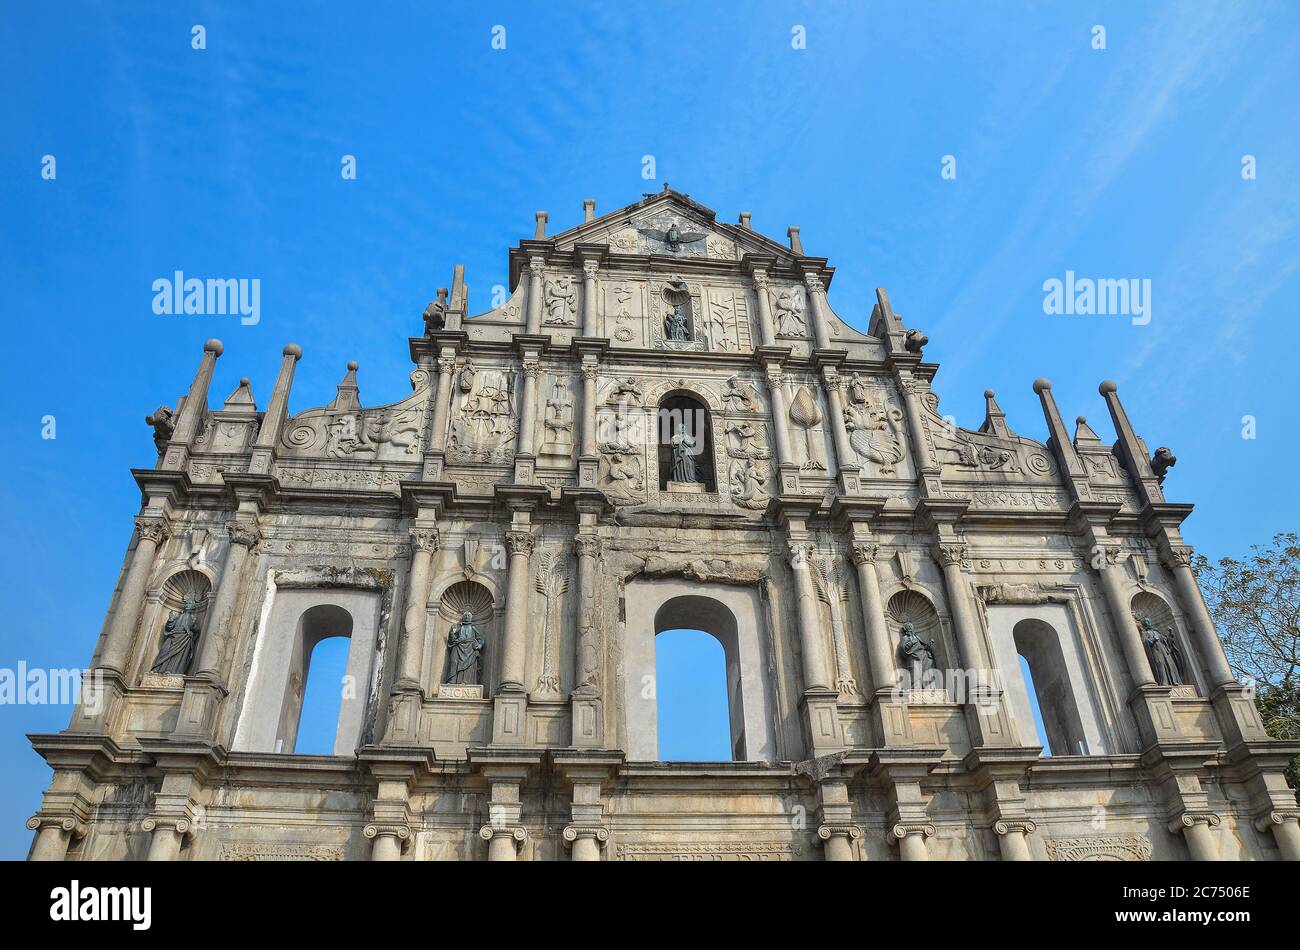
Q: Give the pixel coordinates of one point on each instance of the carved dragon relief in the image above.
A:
(344, 430)
(987, 456)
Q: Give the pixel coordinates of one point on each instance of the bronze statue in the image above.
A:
(917, 655)
(181, 636)
(464, 652)
(1162, 651)
(684, 449)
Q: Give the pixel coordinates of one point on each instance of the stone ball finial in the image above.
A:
(214, 347)
(294, 350)
(352, 365)
(243, 380)
(1107, 386)
(1042, 384)
(989, 394)
(1081, 421)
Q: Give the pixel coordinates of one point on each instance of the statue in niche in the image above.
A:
(677, 322)
(789, 313)
(181, 636)
(684, 448)
(464, 652)
(1162, 650)
(918, 656)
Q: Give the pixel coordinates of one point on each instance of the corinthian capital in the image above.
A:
(531, 368)
(152, 529)
(586, 546)
(520, 542)
(864, 552)
(799, 552)
(590, 269)
(813, 283)
(447, 364)
(247, 535)
(774, 377)
(760, 278)
(590, 371)
(537, 267)
(1176, 555)
(949, 554)
(425, 539)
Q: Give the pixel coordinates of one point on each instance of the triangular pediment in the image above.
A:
(670, 224)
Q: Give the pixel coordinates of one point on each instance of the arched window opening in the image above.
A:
(1028, 676)
(691, 681)
(330, 691)
(685, 436)
(322, 697)
(1047, 682)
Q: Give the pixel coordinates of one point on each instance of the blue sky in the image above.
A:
(225, 162)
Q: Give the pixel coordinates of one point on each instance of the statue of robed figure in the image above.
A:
(918, 656)
(1162, 650)
(180, 637)
(464, 652)
(684, 448)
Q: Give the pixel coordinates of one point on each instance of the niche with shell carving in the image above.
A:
(910, 606)
(477, 600)
(1147, 604)
(186, 586)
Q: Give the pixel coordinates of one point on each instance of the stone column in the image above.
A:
(536, 274)
(503, 843)
(845, 455)
(950, 557)
(442, 407)
(528, 407)
(766, 329)
(1177, 559)
(168, 834)
(410, 657)
(53, 835)
(780, 415)
(880, 653)
(220, 624)
(815, 670)
(515, 645)
(1105, 560)
(586, 657)
(911, 841)
(388, 841)
(818, 310)
(837, 841)
(151, 532)
(1196, 832)
(1286, 832)
(589, 374)
(589, 299)
(1011, 839)
(585, 842)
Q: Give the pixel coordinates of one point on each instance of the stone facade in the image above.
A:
(664, 425)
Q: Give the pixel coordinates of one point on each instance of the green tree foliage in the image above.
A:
(1256, 604)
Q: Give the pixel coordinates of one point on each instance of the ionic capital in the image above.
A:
(380, 830)
(1189, 818)
(903, 829)
(836, 829)
(1023, 825)
(73, 827)
(182, 826)
(573, 833)
(1276, 818)
(517, 832)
